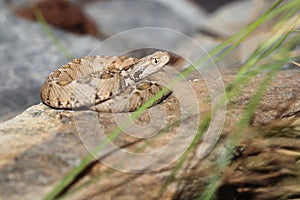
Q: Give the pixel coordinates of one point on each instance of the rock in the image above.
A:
(40, 146)
(193, 15)
(224, 21)
(118, 16)
(27, 56)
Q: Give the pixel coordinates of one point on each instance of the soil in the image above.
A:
(62, 14)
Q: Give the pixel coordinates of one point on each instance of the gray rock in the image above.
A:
(27, 56)
(232, 17)
(117, 16)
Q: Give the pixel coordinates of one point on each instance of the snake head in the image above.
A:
(149, 65)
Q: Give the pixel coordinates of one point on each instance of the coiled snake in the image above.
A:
(104, 83)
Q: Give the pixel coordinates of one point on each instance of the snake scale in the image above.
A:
(104, 83)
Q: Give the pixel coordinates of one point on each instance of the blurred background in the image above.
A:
(36, 37)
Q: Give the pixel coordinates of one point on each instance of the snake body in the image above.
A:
(104, 83)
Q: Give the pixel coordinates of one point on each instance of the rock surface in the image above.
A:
(41, 145)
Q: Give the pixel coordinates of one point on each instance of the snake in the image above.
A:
(105, 83)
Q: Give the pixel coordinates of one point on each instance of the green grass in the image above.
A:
(268, 58)
(273, 46)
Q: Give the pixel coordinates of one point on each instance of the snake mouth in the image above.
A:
(166, 58)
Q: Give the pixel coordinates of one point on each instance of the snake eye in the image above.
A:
(154, 61)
